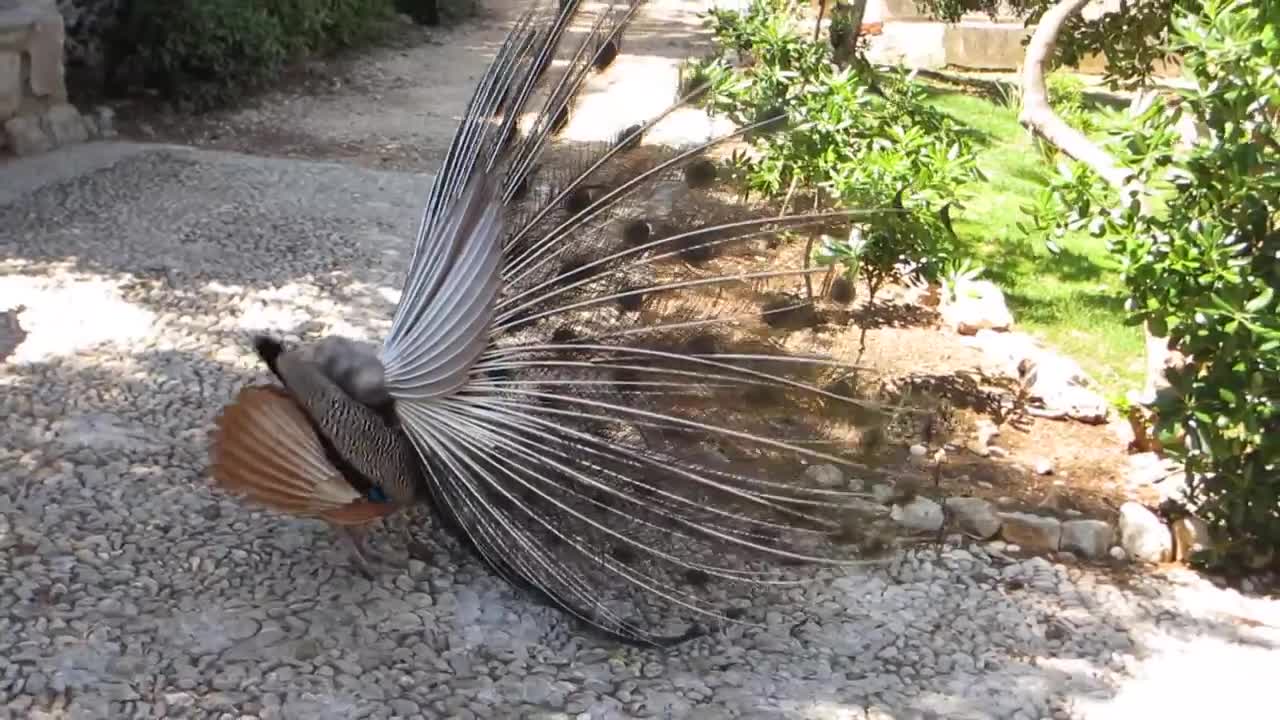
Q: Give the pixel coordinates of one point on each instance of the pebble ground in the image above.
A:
(129, 590)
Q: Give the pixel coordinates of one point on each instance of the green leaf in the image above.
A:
(1261, 301)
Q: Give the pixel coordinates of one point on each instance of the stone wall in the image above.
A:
(976, 42)
(35, 115)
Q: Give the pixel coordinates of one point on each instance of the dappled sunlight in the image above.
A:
(65, 312)
(299, 304)
(132, 586)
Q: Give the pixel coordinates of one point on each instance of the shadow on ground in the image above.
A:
(131, 590)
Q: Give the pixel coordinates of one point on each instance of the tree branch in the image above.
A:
(1038, 116)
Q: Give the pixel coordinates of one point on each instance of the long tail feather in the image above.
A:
(628, 412)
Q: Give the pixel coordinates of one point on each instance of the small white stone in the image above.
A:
(1117, 553)
(1036, 532)
(974, 516)
(882, 492)
(976, 305)
(1089, 538)
(1143, 536)
(920, 513)
(1044, 467)
(1190, 535)
(825, 475)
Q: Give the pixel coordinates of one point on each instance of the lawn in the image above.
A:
(1073, 300)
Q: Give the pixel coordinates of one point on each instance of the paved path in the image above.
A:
(127, 589)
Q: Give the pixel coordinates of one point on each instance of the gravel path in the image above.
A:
(130, 278)
(128, 590)
(396, 108)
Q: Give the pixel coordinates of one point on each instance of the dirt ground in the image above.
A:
(396, 107)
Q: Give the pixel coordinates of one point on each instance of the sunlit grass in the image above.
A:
(1074, 299)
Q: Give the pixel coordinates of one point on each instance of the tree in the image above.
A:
(1204, 270)
(1132, 34)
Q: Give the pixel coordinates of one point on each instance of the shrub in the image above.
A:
(1204, 268)
(206, 52)
(1207, 272)
(851, 137)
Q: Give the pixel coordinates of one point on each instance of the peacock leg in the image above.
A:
(353, 538)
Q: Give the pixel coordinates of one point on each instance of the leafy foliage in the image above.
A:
(1066, 96)
(850, 138)
(205, 52)
(1134, 38)
(1204, 269)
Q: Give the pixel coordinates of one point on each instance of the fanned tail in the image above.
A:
(647, 388)
(264, 450)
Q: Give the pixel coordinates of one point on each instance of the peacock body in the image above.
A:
(587, 377)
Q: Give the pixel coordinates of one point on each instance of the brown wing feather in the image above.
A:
(265, 451)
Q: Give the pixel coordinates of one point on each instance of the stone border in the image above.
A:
(1137, 534)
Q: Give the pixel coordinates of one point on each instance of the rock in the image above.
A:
(1056, 385)
(825, 475)
(179, 699)
(920, 514)
(1143, 536)
(64, 124)
(1035, 532)
(105, 121)
(404, 707)
(1147, 469)
(1087, 538)
(1117, 553)
(975, 516)
(1063, 388)
(986, 432)
(1190, 536)
(1044, 466)
(976, 305)
(26, 137)
(882, 492)
(1004, 353)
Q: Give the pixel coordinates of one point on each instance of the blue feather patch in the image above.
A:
(376, 495)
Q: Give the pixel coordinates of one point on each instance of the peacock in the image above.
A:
(592, 377)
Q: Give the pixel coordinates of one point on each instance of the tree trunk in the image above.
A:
(1038, 117)
(846, 28)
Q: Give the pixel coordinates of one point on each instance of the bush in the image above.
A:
(1208, 271)
(206, 52)
(851, 137)
(1205, 269)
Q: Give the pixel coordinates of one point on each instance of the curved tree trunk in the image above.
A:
(1038, 117)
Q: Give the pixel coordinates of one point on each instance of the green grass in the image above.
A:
(1073, 300)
